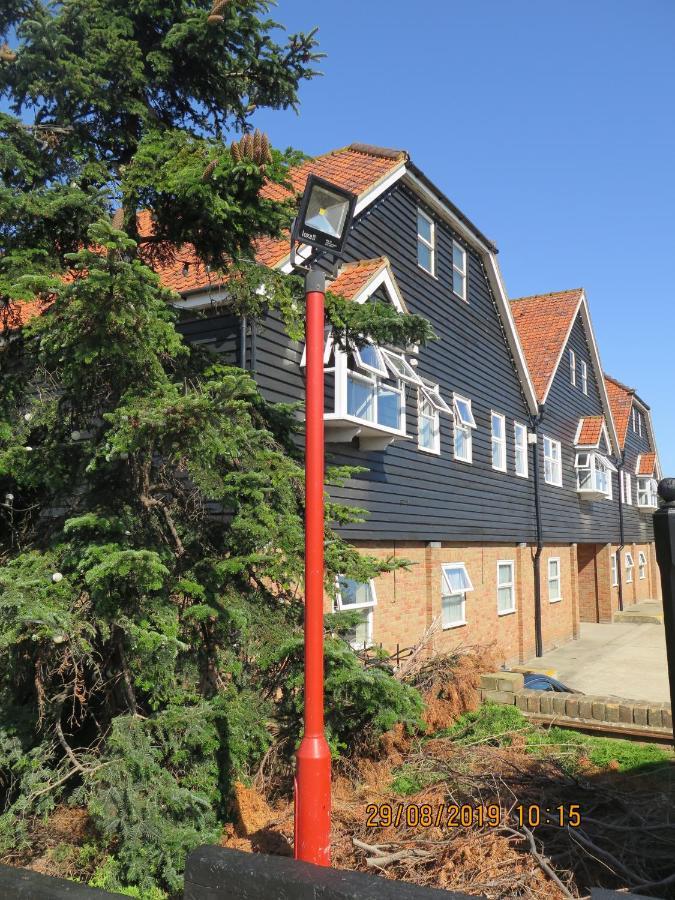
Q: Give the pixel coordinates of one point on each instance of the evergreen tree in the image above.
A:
(151, 501)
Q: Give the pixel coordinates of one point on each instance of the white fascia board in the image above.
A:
(599, 376)
(200, 300)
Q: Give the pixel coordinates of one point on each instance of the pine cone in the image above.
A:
(214, 20)
(219, 6)
(236, 152)
(208, 171)
(7, 54)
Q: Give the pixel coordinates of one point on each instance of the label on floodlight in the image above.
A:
(316, 237)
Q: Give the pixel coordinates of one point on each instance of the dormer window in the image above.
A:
(594, 475)
(647, 496)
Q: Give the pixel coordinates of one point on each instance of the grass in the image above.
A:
(496, 725)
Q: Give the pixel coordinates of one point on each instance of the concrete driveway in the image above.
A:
(624, 659)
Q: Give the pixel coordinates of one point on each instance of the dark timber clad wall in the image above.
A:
(567, 516)
(409, 493)
(638, 525)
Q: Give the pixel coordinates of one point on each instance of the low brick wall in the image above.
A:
(509, 688)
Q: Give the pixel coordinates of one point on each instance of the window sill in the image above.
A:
(459, 297)
(468, 462)
(507, 612)
(427, 272)
(342, 429)
(521, 474)
(557, 600)
(429, 450)
(647, 510)
(456, 625)
(589, 494)
(504, 471)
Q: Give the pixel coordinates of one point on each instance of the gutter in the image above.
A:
(619, 552)
(535, 421)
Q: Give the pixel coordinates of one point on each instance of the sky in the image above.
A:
(551, 125)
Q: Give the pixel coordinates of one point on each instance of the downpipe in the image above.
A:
(535, 421)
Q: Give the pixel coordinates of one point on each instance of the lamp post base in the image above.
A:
(312, 801)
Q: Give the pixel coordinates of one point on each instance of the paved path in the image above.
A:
(622, 659)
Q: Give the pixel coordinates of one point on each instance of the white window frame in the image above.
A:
(573, 368)
(633, 416)
(351, 607)
(430, 245)
(511, 584)
(552, 463)
(521, 447)
(375, 381)
(379, 369)
(642, 566)
(399, 367)
(498, 443)
(614, 566)
(626, 489)
(647, 492)
(447, 592)
(639, 423)
(434, 417)
(463, 424)
(584, 377)
(630, 565)
(554, 579)
(459, 252)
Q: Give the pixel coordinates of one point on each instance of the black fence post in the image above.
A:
(664, 537)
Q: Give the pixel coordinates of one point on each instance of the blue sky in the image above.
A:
(549, 124)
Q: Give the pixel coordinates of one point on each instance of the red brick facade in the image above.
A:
(409, 600)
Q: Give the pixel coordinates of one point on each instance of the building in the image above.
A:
(493, 454)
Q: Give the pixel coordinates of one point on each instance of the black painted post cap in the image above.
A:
(667, 490)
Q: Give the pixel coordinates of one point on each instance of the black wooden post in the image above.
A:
(664, 536)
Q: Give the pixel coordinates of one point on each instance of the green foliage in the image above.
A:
(151, 500)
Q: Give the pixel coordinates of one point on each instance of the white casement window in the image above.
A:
(520, 440)
(554, 594)
(642, 566)
(573, 368)
(455, 584)
(615, 569)
(630, 565)
(584, 377)
(552, 462)
(634, 417)
(375, 392)
(430, 405)
(459, 270)
(357, 596)
(506, 587)
(626, 489)
(498, 442)
(426, 243)
(464, 423)
(594, 474)
(647, 493)
(640, 424)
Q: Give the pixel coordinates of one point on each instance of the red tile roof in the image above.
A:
(621, 403)
(354, 277)
(357, 168)
(646, 463)
(15, 315)
(543, 322)
(590, 431)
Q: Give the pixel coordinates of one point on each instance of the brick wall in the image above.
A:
(409, 600)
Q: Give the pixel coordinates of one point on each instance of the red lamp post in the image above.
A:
(325, 215)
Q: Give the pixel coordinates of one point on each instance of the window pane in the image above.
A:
(452, 609)
(504, 599)
(456, 579)
(458, 256)
(458, 283)
(504, 574)
(462, 442)
(463, 408)
(371, 357)
(388, 406)
(497, 455)
(497, 426)
(359, 635)
(424, 256)
(553, 568)
(354, 593)
(424, 228)
(554, 589)
(360, 399)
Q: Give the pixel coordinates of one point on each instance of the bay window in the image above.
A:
(647, 496)
(594, 475)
